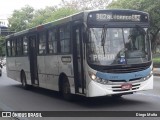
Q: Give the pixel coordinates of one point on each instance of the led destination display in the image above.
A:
(117, 16)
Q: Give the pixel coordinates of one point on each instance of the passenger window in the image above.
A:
(52, 41)
(25, 45)
(14, 47)
(9, 48)
(19, 46)
(65, 39)
(42, 43)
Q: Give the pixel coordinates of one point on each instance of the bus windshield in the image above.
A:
(119, 46)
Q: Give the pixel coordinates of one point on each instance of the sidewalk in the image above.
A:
(156, 71)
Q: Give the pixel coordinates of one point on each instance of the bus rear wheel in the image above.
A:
(66, 92)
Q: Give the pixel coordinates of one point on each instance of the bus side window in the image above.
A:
(25, 46)
(14, 47)
(52, 41)
(65, 39)
(9, 48)
(19, 46)
(42, 43)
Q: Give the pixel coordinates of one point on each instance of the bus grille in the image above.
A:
(118, 82)
(125, 70)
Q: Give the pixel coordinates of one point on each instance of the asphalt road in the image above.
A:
(14, 98)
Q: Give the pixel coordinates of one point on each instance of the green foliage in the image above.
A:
(20, 18)
(27, 17)
(125, 4)
(41, 16)
(82, 5)
(50, 14)
(156, 60)
(62, 12)
(2, 46)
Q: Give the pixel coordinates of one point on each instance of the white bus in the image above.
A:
(92, 53)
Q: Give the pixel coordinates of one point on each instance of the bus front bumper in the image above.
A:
(96, 89)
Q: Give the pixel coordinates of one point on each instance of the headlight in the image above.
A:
(148, 76)
(93, 76)
(97, 79)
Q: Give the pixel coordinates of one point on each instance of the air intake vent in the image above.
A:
(125, 70)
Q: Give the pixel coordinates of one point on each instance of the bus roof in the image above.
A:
(74, 17)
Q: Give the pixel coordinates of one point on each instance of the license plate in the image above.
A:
(126, 86)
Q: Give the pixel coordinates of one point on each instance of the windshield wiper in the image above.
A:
(103, 37)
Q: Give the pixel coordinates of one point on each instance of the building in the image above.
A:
(4, 29)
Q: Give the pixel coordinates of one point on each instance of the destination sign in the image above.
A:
(117, 16)
(109, 17)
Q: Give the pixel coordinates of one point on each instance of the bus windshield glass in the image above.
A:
(119, 46)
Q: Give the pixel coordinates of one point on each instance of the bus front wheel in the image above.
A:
(66, 92)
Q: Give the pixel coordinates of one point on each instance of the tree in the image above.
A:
(152, 7)
(62, 12)
(21, 18)
(50, 14)
(40, 16)
(2, 46)
(82, 5)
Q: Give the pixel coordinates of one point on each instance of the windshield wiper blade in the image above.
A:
(103, 37)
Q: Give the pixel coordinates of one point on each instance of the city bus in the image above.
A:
(92, 53)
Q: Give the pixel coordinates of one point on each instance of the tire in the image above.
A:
(23, 81)
(66, 91)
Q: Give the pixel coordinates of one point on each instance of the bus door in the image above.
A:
(33, 59)
(78, 59)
